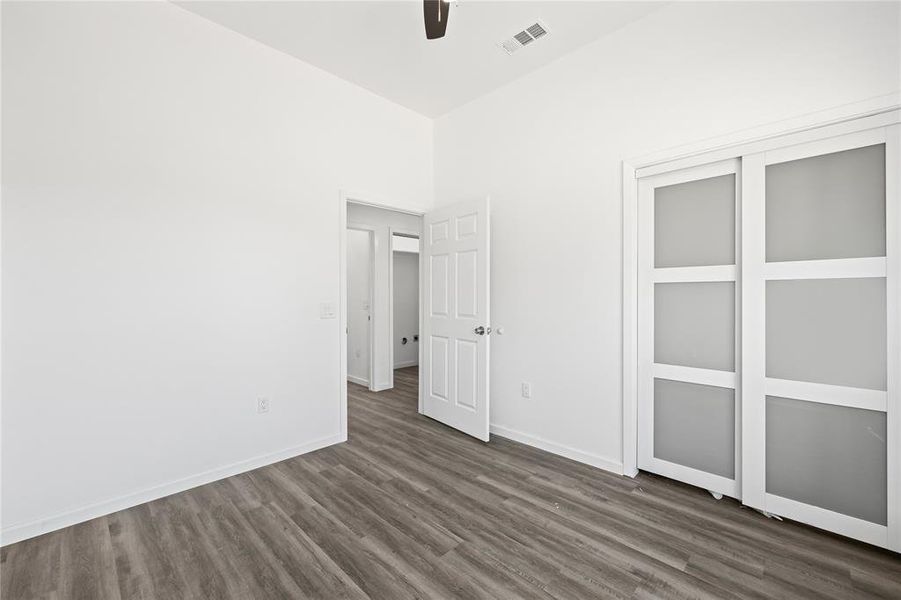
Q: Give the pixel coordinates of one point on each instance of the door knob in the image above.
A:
(481, 330)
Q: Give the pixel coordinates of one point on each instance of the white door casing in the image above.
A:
(455, 282)
(360, 255)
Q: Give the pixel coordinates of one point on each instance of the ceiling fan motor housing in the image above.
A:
(435, 13)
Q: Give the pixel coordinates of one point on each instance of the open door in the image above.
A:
(454, 361)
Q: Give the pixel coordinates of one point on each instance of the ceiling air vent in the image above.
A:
(524, 37)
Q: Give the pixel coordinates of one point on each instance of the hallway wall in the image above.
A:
(382, 221)
(406, 309)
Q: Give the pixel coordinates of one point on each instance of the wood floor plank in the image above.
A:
(30, 569)
(409, 508)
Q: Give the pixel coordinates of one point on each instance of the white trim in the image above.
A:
(418, 235)
(645, 339)
(581, 456)
(877, 112)
(358, 380)
(17, 533)
(342, 313)
(822, 393)
(669, 177)
(370, 324)
(630, 320)
(694, 274)
(421, 391)
(812, 134)
(723, 379)
(829, 145)
(872, 533)
(375, 201)
(839, 268)
(893, 329)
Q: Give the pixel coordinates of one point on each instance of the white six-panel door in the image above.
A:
(456, 324)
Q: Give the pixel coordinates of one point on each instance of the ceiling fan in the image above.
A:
(435, 12)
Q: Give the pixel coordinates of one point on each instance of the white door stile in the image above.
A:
(753, 319)
(739, 283)
(893, 323)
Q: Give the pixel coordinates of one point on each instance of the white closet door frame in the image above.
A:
(648, 370)
(870, 126)
(861, 116)
(756, 386)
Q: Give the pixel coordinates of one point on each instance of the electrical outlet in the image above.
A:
(262, 405)
(526, 390)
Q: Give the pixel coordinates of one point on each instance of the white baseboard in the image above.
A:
(593, 460)
(17, 533)
(405, 363)
(357, 380)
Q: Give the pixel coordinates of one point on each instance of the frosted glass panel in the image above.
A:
(694, 426)
(829, 456)
(829, 206)
(694, 324)
(694, 223)
(827, 331)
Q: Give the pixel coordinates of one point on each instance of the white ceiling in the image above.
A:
(381, 45)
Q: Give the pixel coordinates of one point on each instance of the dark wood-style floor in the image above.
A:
(408, 508)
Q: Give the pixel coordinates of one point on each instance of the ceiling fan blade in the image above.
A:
(435, 12)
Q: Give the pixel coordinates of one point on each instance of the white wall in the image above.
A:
(170, 228)
(406, 308)
(382, 222)
(548, 149)
(359, 274)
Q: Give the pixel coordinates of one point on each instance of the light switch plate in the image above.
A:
(327, 310)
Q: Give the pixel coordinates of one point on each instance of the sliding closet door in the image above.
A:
(688, 404)
(820, 326)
